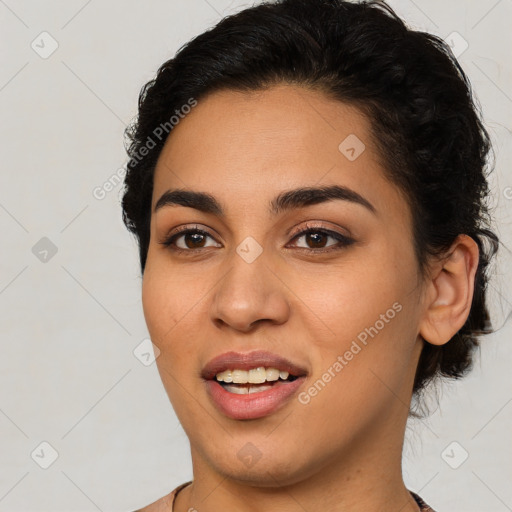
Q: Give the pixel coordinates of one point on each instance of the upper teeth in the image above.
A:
(254, 376)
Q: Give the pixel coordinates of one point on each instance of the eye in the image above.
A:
(188, 239)
(316, 239)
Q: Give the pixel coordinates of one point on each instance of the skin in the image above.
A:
(341, 451)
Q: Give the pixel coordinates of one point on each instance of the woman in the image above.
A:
(313, 247)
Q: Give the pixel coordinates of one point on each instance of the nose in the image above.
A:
(249, 294)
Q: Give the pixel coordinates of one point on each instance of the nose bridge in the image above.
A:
(249, 291)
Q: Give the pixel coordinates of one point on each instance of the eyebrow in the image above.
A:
(288, 200)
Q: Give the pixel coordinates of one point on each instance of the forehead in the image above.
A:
(248, 145)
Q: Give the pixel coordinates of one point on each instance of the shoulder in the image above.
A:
(165, 503)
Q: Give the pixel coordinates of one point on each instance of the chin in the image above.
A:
(268, 477)
(254, 468)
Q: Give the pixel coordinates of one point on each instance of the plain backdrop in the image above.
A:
(76, 393)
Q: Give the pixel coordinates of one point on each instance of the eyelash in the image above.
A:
(343, 241)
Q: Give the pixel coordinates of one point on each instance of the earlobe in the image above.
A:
(450, 292)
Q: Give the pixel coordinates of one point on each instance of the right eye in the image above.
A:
(188, 239)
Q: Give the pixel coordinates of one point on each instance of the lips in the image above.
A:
(257, 403)
(249, 361)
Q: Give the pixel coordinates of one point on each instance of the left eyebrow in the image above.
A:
(288, 200)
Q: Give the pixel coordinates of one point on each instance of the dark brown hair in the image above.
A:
(424, 121)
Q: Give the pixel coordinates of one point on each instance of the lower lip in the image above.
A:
(253, 405)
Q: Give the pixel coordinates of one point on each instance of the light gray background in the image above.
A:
(69, 325)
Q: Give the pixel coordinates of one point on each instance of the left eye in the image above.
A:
(318, 239)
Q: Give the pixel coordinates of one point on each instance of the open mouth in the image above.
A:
(251, 385)
(256, 380)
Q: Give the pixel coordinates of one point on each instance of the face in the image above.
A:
(322, 285)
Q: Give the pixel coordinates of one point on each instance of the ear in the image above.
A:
(449, 292)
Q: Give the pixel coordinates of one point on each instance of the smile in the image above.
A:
(243, 382)
(253, 385)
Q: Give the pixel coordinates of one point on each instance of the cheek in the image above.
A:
(170, 307)
(360, 384)
(157, 306)
(166, 294)
(349, 299)
(170, 316)
(370, 314)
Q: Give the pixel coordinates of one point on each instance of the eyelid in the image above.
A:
(319, 225)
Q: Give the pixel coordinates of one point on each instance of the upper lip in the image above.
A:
(248, 361)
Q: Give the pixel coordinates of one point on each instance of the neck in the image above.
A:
(365, 478)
